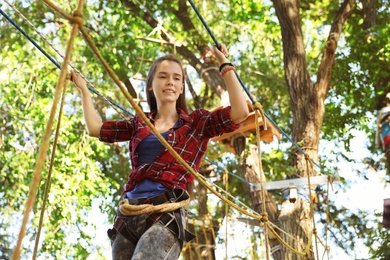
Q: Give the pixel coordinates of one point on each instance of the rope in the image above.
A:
(327, 221)
(128, 209)
(303, 253)
(258, 110)
(226, 179)
(47, 186)
(45, 142)
(311, 203)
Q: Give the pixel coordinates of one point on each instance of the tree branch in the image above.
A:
(327, 62)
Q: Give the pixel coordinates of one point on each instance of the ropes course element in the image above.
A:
(204, 225)
(46, 137)
(47, 185)
(226, 179)
(129, 209)
(90, 85)
(77, 25)
(258, 108)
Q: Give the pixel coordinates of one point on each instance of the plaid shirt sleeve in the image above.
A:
(218, 122)
(116, 131)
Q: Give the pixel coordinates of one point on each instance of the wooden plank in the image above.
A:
(250, 221)
(195, 222)
(275, 185)
(249, 127)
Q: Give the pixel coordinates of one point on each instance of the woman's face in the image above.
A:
(167, 83)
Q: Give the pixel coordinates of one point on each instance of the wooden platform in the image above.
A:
(249, 127)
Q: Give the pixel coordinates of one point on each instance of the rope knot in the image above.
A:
(264, 217)
(77, 18)
(257, 106)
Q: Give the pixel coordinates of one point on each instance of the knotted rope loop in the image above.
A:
(257, 107)
(128, 209)
(264, 217)
(77, 18)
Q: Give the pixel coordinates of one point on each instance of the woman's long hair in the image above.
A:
(181, 102)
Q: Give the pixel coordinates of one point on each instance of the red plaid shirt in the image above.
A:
(189, 138)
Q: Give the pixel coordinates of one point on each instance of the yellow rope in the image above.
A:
(128, 209)
(48, 179)
(327, 220)
(303, 253)
(308, 163)
(45, 141)
(258, 110)
(226, 178)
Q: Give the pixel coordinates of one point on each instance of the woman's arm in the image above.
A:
(239, 108)
(91, 117)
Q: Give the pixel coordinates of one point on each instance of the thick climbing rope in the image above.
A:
(90, 86)
(48, 179)
(308, 162)
(226, 179)
(128, 209)
(258, 110)
(327, 221)
(46, 137)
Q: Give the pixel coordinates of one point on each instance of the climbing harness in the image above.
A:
(167, 209)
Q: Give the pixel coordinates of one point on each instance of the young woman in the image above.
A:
(156, 176)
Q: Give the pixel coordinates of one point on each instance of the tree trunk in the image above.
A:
(249, 170)
(307, 102)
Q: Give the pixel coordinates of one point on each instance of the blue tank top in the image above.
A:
(148, 149)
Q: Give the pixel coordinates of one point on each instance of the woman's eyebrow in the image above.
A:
(164, 72)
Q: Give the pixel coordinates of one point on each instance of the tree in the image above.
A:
(308, 106)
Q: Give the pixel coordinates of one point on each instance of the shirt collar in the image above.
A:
(182, 115)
